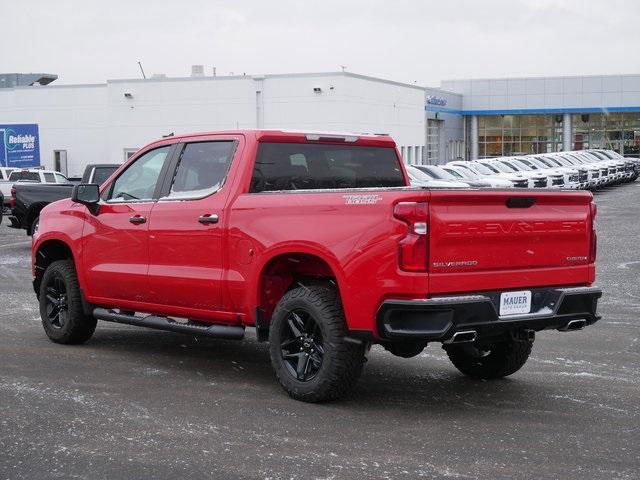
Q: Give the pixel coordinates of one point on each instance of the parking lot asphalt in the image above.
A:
(136, 403)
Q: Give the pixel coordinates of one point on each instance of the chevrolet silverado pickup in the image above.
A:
(320, 243)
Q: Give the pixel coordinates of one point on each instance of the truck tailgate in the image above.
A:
(483, 240)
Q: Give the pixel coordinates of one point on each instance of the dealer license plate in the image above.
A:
(513, 303)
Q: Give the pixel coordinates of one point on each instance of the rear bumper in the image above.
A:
(438, 318)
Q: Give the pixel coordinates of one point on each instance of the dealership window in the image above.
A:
(502, 135)
(434, 129)
(612, 131)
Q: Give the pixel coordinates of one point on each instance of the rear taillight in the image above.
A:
(413, 248)
(12, 199)
(593, 248)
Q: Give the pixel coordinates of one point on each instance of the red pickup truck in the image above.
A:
(318, 241)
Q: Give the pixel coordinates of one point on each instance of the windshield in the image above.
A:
(493, 169)
(417, 174)
(529, 163)
(478, 167)
(520, 165)
(589, 157)
(506, 167)
(571, 161)
(611, 154)
(537, 162)
(438, 172)
(461, 174)
(549, 162)
(564, 162)
(600, 155)
(577, 159)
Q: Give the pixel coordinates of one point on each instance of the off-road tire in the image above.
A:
(78, 327)
(342, 360)
(504, 358)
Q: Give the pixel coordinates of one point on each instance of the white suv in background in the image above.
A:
(512, 173)
(555, 179)
(570, 173)
(475, 179)
(481, 171)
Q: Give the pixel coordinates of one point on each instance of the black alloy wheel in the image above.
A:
(311, 354)
(57, 307)
(301, 346)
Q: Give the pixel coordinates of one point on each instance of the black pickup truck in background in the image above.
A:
(28, 199)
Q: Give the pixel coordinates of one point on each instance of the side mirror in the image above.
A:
(88, 194)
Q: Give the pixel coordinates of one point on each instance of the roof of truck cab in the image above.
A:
(272, 135)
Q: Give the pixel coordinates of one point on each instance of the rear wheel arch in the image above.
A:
(285, 271)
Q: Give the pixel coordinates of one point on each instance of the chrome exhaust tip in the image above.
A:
(464, 336)
(573, 326)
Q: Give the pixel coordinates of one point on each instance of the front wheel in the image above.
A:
(309, 352)
(61, 305)
(495, 360)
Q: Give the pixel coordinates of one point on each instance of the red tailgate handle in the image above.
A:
(520, 202)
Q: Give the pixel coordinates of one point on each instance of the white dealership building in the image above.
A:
(105, 123)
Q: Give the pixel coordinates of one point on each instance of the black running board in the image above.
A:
(232, 332)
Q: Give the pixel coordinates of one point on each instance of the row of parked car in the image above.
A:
(582, 169)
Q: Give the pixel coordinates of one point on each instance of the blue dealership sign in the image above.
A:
(19, 145)
(435, 100)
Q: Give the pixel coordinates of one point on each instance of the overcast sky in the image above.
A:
(414, 41)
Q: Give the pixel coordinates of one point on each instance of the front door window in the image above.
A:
(138, 182)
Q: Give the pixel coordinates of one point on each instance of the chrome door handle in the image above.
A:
(137, 219)
(208, 218)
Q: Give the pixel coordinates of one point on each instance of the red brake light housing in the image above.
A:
(593, 246)
(413, 249)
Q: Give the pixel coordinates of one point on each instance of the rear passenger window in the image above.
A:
(202, 169)
(49, 178)
(24, 176)
(300, 166)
